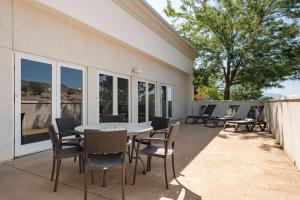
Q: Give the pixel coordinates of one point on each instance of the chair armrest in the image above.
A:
(162, 140)
(71, 139)
(128, 142)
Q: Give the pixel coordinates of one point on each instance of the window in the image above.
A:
(170, 100)
(141, 101)
(123, 96)
(106, 95)
(114, 95)
(166, 95)
(36, 100)
(151, 101)
(163, 101)
(71, 93)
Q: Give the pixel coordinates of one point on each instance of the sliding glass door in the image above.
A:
(105, 95)
(35, 103)
(44, 90)
(146, 100)
(166, 101)
(72, 92)
(114, 95)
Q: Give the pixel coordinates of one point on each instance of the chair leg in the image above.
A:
(57, 174)
(173, 166)
(123, 180)
(135, 167)
(104, 178)
(75, 159)
(92, 177)
(132, 149)
(150, 159)
(166, 175)
(80, 163)
(147, 166)
(85, 183)
(53, 168)
(236, 128)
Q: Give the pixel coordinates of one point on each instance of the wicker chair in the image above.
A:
(160, 125)
(165, 152)
(60, 153)
(66, 128)
(112, 118)
(102, 150)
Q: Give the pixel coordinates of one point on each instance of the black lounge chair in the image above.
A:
(230, 115)
(252, 120)
(193, 117)
(206, 114)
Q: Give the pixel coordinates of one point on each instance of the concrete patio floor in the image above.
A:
(211, 164)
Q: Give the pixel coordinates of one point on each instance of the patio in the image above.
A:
(210, 164)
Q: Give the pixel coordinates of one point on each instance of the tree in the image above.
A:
(241, 43)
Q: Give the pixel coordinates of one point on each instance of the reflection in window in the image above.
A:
(169, 98)
(141, 101)
(163, 101)
(105, 95)
(36, 101)
(71, 93)
(151, 99)
(123, 97)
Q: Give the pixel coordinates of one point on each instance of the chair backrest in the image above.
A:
(104, 142)
(66, 124)
(232, 110)
(54, 139)
(159, 123)
(112, 118)
(209, 110)
(201, 110)
(172, 133)
(255, 112)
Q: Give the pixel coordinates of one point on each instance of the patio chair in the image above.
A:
(160, 126)
(112, 118)
(207, 113)
(252, 120)
(60, 153)
(193, 117)
(165, 152)
(230, 115)
(102, 150)
(66, 126)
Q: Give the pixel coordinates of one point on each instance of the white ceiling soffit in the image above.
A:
(134, 23)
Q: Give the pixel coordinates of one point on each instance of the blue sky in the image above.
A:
(42, 72)
(290, 87)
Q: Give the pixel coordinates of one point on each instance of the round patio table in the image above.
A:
(133, 129)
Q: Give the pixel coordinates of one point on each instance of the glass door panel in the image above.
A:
(71, 93)
(151, 100)
(123, 95)
(105, 95)
(36, 101)
(163, 101)
(170, 100)
(141, 101)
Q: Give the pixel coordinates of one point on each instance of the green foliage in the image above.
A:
(240, 92)
(244, 43)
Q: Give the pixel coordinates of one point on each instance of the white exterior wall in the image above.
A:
(36, 30)
(6, 82)
(283, 118)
